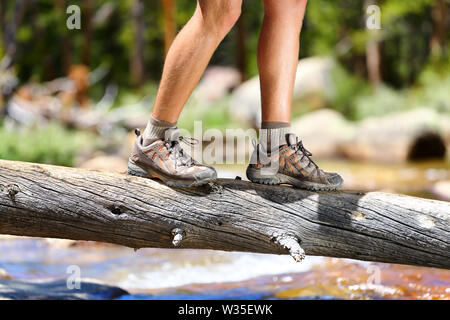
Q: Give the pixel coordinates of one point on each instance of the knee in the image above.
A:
(220, 16)
(230, 17)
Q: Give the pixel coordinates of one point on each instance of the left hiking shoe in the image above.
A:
(165, 160)
(290, 164)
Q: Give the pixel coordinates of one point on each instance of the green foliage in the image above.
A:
(434, 87)
(396, 9)
(216, 116)
(383, 101)
(347, 88)
(333, 28)
(329, 26)
(50, 144)
(355, 99)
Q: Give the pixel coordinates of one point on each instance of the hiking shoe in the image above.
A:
(167, 161)
(290, 164)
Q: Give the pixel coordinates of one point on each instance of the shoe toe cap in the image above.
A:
(335, 179)
(206, 173)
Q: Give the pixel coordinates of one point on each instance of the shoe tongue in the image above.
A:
(172, 134)
(291, 139)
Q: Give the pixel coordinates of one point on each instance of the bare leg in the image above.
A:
(278, 50)
(190, 53)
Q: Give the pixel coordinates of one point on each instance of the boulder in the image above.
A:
(323, 132)
(313, 76)
(5, 275)
(106, 163)
(397, 137)
(216, 83)
(441, 190)
(54, 243)
(57, 290)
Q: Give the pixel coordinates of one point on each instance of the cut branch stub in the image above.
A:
(291, 244)
(177, 235)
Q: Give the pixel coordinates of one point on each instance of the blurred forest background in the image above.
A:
(68, 95)
(129, 38)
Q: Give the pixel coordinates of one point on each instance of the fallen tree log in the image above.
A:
(232, 215)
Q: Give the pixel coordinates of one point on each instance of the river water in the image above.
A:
(205, 274)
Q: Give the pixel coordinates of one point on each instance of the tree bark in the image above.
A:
(233, 215)
(10, 29)
(373, 55)
(241, 50)
(137, 60)
(65, 45)
(88, 7)
(439, 14)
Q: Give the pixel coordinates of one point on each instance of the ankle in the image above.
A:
(273, 134)
(155, 130)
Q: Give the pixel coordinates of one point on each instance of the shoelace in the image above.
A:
(175, 148)
(298, 147)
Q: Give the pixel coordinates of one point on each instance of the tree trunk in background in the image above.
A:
(66, 51)
(11, 28)
(10, 50)
(241, 52)
(86, 26)
(373, 54)
(438, 38)
(373, 62)
(137, 61)
(3, 24)
(170, 26)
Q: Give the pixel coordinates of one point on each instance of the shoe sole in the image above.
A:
(255, 176)
(136, 170)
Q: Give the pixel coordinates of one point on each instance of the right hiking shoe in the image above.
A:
(167, 161)
(291, 164)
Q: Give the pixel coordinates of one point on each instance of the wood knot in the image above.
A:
(12, 190)
(215, 188)
(115, 209)
(40, 169)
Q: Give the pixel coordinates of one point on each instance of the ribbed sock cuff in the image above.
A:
(161, 123)
(275, 124)
(155, 130)
(273, 134)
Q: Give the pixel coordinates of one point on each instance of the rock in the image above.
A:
(323, 131)
(398, 137)
(5, 237)
(216, 83)
(5, 275)
(444, 128)
(59, 243)
(57, 290)
(245, 102)
(128, 143)
(106, 163)
(313, 76)
(441, 190)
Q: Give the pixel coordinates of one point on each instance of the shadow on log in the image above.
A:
(232, 215)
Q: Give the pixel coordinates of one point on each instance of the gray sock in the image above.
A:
(272, 134)
(155, 130)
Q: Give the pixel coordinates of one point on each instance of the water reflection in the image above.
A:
(206, 274)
